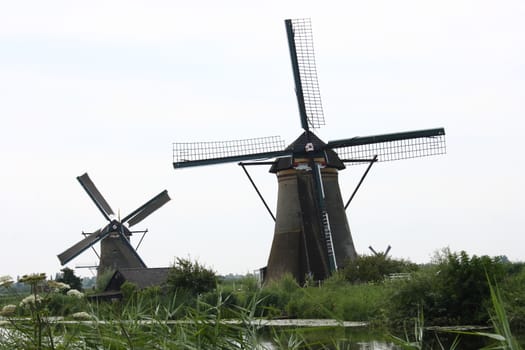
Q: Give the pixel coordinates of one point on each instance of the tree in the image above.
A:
(68, 276)
(191, 276)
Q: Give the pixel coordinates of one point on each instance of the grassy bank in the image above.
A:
(453, 289)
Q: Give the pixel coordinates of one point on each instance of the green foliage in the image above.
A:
(242, 286)
(68, 276)
(204, 327)
(192, 277)
(142, 319)
(128, 290)
(512, 289)
(451, 291)
(500, 320)
(277, 294)
(64, 305)
(338, 299)
(374, 268)
(235, 292)
(249, 284)
(466, 283)
(335, 298)
(39, 332)
(500, 337)
(103, 279)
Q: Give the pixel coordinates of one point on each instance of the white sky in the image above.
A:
(105, 87)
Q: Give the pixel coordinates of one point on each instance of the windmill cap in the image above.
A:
(308, 145)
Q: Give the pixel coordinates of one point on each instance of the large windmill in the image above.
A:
(311, 236)
(116, 250)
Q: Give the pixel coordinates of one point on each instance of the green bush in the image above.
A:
(68, 276)
(276, 295)
(375, 268)
(64, 305)
(452, 290)
(191, 276)
(512, 289)
(128, 290)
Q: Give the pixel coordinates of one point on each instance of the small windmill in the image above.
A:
(116, 250)
(311, 236)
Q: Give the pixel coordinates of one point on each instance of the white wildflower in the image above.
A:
(31, 300)
(33, 278)
(6, 281)
(58, 286)
(81, 316)
(8, 310)
(75, 293)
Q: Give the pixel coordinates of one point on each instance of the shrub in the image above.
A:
(128, 290)
(374, 268)
(63, 305)
(276, 295)
(452, 290)
(191, 276)
(68, 276)
(512, 289)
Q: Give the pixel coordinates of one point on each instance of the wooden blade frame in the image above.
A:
(302, 55)
(387, 147)
(216, 152)
(96, 196)
(145, 210)
(84, 244)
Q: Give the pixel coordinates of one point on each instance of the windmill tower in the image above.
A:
(312, 236)
(116, 250)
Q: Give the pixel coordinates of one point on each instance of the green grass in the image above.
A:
(382, 303)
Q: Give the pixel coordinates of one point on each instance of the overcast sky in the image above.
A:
(105, 87)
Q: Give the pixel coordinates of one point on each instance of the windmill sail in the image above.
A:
(82, 245)
(216, 152)
(302, 55)
(95, 195)
(144, 211)
(395, 146)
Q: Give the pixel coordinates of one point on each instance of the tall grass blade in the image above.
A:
(500, 320)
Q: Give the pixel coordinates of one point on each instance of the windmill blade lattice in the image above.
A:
(388, 147)
(216, 152)
(301, 44)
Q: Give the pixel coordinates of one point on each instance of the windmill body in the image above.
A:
(299, 246)
(116, 250)
(115, 253)
(312, 236)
